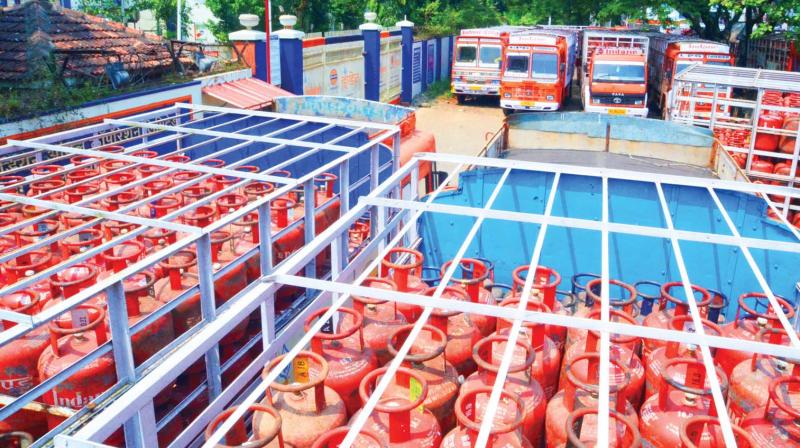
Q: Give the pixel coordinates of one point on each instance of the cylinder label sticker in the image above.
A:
(414, 392)
(300, 370)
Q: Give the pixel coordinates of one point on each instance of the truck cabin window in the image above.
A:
(616, 72)
(517, 65)
(467, 54)
(545, 65)
(491, 56)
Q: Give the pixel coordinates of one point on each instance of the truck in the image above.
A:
(614, 72)
(538, 67)
(477, 59)
(776, 51)
(670, 54)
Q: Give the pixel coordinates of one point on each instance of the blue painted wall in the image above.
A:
(632, 258)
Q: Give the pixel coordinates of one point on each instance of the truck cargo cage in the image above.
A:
(752, 112)
(183, 179)
(508, 211)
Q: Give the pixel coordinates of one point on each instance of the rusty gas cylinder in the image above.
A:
(474, 276)
(750, 380)
(506, 429)
(345, 352)
(705, 431)
(582, 430)
(461, 333)
(518, 382)
(658, 358)
(582, 391)
(381, 318)
(406, 275)
(268, 433)
(399, 418)
(622, 348)
(428, 358)
(308, 407)
(777, 424)
(676, 400)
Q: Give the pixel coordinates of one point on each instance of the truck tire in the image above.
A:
(508, 112)
(461, 98)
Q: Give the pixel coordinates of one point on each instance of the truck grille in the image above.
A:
(621, 100)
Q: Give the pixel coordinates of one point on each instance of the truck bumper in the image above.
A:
(529, 105)
(629, 111)
(475, 89)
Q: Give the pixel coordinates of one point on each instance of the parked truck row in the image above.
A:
(622, 72)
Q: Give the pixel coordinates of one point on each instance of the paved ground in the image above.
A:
(460, 129)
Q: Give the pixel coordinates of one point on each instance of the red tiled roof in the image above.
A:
(31, 31)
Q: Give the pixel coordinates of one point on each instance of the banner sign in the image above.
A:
(391, 68)
(334, 69)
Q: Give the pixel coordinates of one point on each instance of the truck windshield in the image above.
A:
(545, 65)
(467, 54)
(491, 56)
(682, 65)
(616, 72)
(517, 64)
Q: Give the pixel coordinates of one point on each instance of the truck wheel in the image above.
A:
(508, 112)
(461, 99)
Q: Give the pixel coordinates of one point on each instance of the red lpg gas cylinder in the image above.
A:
(406, 275)
(545, 282)
(18, 363)
(399, 418)
(427, 358)
(663, 413)
(474, 275)
(506, 430)
(777, 424)
(749, 321)
(179, 278)
(519, 381)
(582, 430)
(334, 439)
(582, 392)
(622, 349)
(670, 306)
(622, 296)
(765, 140)
(704, 431)
(381, 318)
(349, 360)
(140, 303)
(750, 380)
(548, 357)
(762, 166)
(658, 358)
(308, 407)
(267, 433)
(67, 345)
(461, 333)
(27, 265)
(358, 235)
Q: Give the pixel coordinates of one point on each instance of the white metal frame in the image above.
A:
(723, 80)
(395, 224)
(140, 431)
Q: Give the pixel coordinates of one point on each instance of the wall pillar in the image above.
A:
(291, 49)
(372, 57)
(407, 53)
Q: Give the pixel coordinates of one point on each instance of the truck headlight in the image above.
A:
(550, 97)
(595, 101)
(638, 102)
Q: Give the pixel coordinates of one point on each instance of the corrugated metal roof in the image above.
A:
(250, 93)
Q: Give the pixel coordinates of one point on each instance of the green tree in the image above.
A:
(166, 11)
(112, 10)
